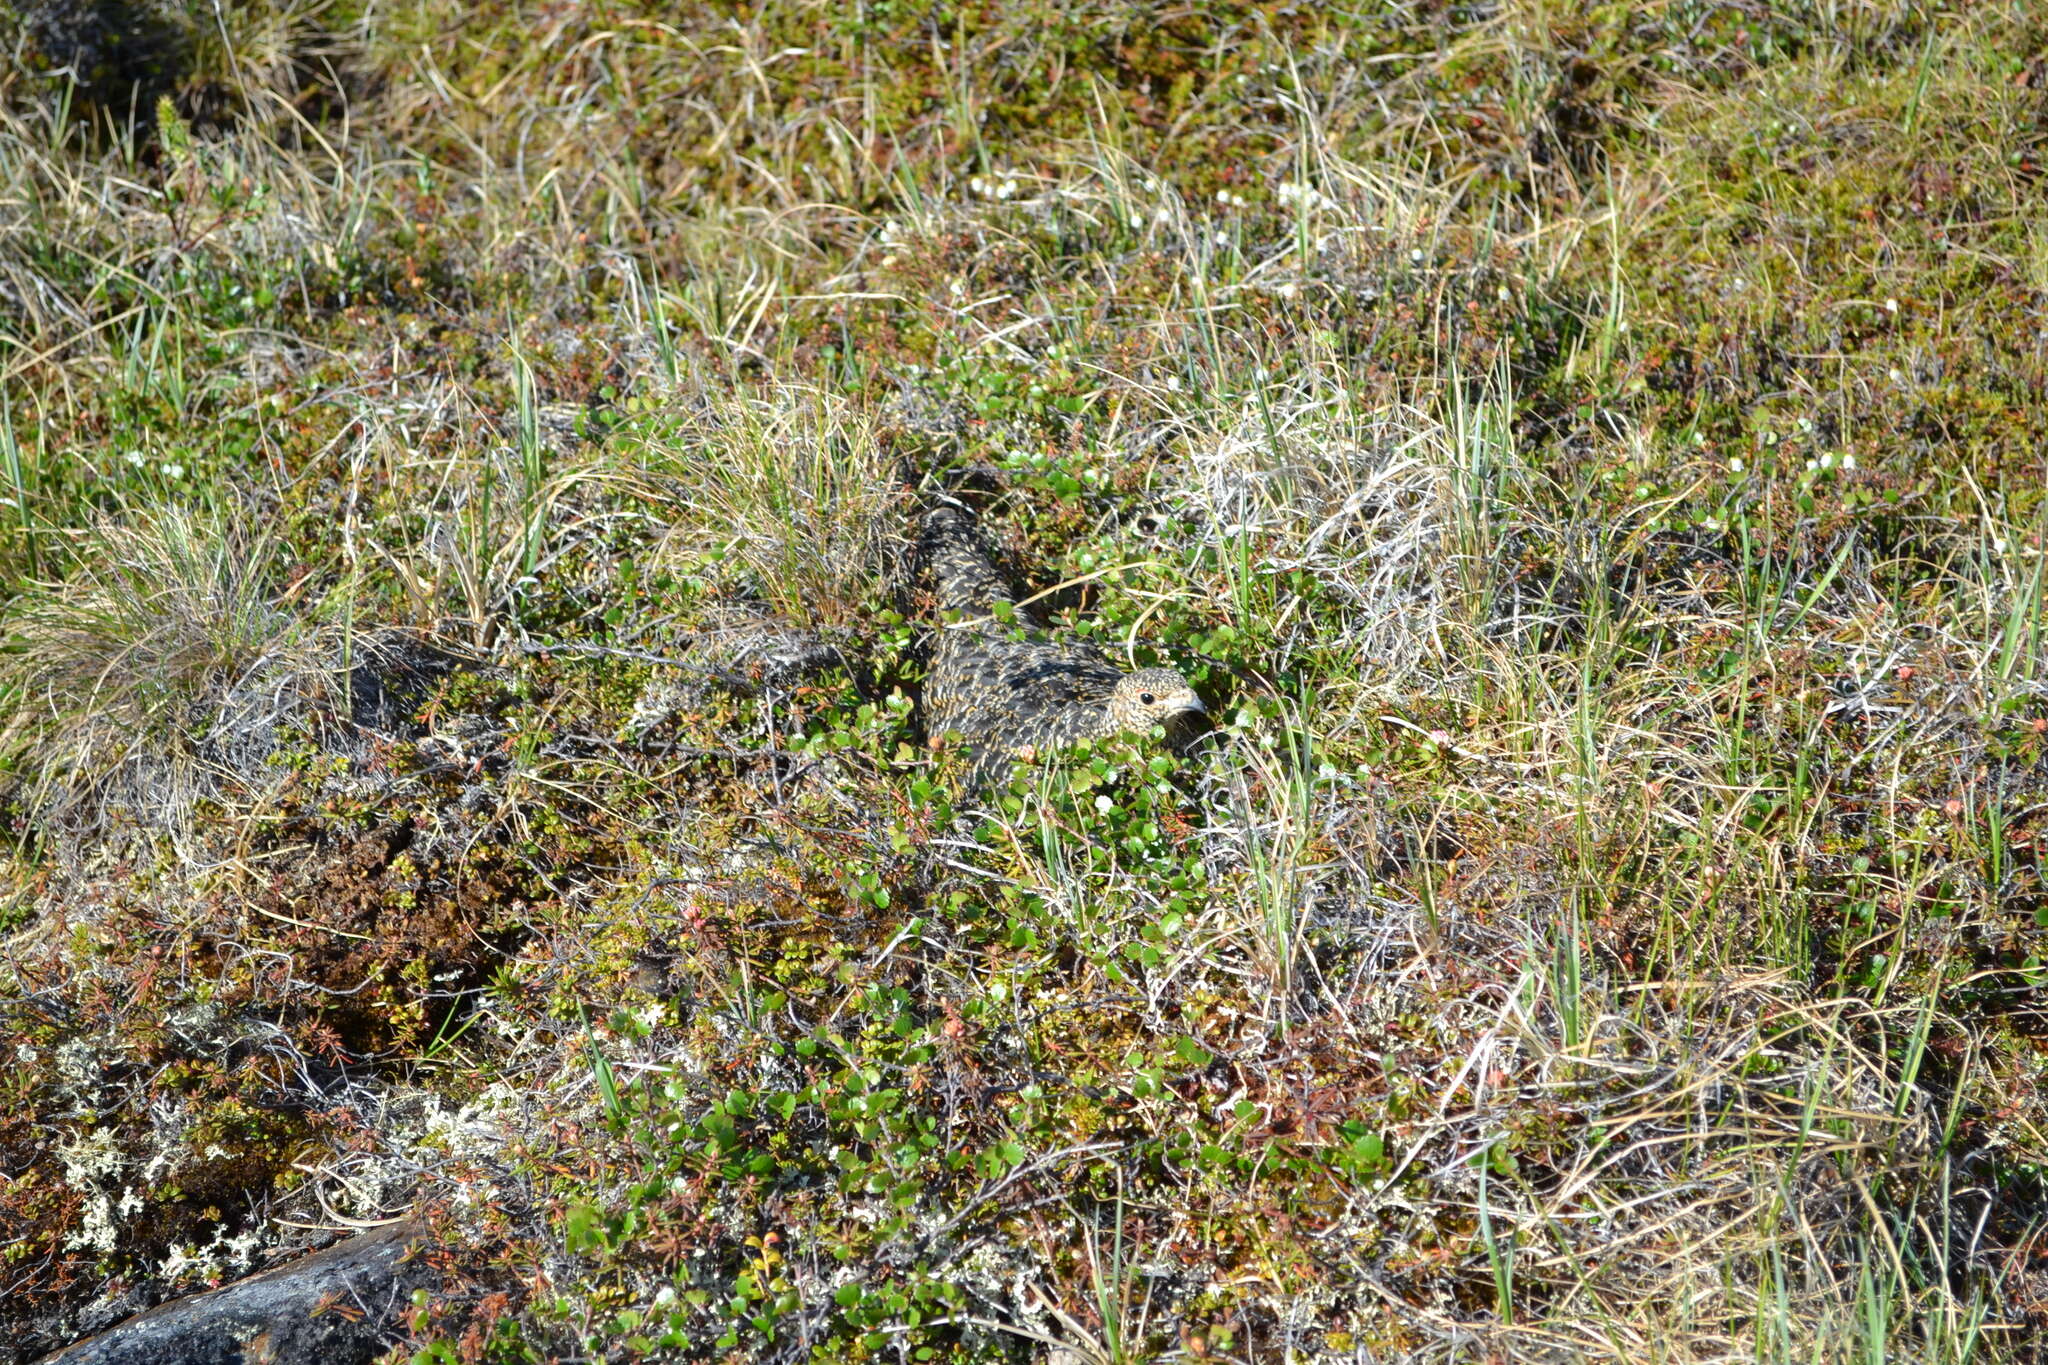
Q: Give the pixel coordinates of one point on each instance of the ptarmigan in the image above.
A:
(1011, 692)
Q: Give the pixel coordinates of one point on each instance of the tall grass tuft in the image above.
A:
(788, 490)
(117, 664)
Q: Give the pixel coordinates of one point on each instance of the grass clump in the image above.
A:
(794, 496)
(118, 672)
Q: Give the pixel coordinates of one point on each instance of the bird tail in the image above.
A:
(957, 561)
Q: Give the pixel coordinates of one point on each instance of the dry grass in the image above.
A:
(118, 676)
(789, 491)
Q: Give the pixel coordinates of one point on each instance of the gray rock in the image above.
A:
(334, 1307)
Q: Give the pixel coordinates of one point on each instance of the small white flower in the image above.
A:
(1173, 383)
(1104, 804)
(1848, 462)
(1137, 222)
(1289, 290)
(1827, 461)
(1006, 190)
(173, 471)
(1891, 305)
(137, 458)
(1416, 254)
(1734, 464)
(1898, 376)
(1502, 294)
(1998, 545)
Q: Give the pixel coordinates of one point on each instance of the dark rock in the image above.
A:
(393, 675)
(122, 54)
(334, 1307)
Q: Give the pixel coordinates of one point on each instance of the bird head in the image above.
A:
(1152, 696)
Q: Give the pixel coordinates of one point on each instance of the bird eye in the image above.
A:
(1146, 698)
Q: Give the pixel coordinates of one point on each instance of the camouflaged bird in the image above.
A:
(1012, 693)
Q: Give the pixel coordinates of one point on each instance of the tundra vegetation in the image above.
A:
(458, 674)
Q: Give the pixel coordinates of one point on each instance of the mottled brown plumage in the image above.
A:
(1011, 689)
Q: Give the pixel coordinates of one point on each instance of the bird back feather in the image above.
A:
(958, 563)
